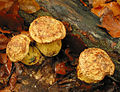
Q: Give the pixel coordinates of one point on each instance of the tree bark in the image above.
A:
(85, 22)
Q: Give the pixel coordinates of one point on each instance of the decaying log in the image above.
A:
(85, 25)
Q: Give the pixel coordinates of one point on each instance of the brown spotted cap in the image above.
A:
(94, 65)
(46, 29)
(18, 47)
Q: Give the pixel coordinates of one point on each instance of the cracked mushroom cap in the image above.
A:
(94, 65)
(46, 29)
(18, 47)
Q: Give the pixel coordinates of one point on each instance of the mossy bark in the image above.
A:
(85, 25)
(83, 22)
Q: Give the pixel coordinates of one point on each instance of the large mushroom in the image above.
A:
(19, 49)
(47, 32)
(94, 65)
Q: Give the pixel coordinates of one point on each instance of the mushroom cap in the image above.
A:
(46, 29)
(18, 47)
(94, 65)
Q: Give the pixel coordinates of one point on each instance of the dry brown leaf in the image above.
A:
(6, 4)
(29, 6)
(3, 41)
(14, 8)
(8, 67)
(6, 89)
(98, 11)
(113, 6)
(5, 31)
(3, 58)
(96, 3)
(112, 24)
(13, 81)
(12, 21)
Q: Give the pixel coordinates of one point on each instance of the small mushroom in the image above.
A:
(18, 47)
(47, 32)
(94, 65)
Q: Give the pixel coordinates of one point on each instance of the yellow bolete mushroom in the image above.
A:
(19, 49)
(94, 65)
(47, 32)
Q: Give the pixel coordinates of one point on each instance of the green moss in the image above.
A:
(28, 18)
(41, 13)
(117, 47)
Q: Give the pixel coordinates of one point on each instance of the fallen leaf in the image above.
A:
(17, 87)
(6, 89)
(101, 9)
(96, 3)
(11, 19)
(5, 71)
(62, 69)
(5, 31)
(13, 81)
(86, 86)
(13, 22)
(114, 7)
(8, 67)
(68, 55)
(112, 24)
(3, 41)
(2, 72)
(29, 6)
(5, 5)
(4, 78)
(3, 58)
(14, 8)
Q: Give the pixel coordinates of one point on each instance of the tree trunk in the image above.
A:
(85, 25)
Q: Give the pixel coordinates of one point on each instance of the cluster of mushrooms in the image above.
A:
(94, 63)
(47, 32)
